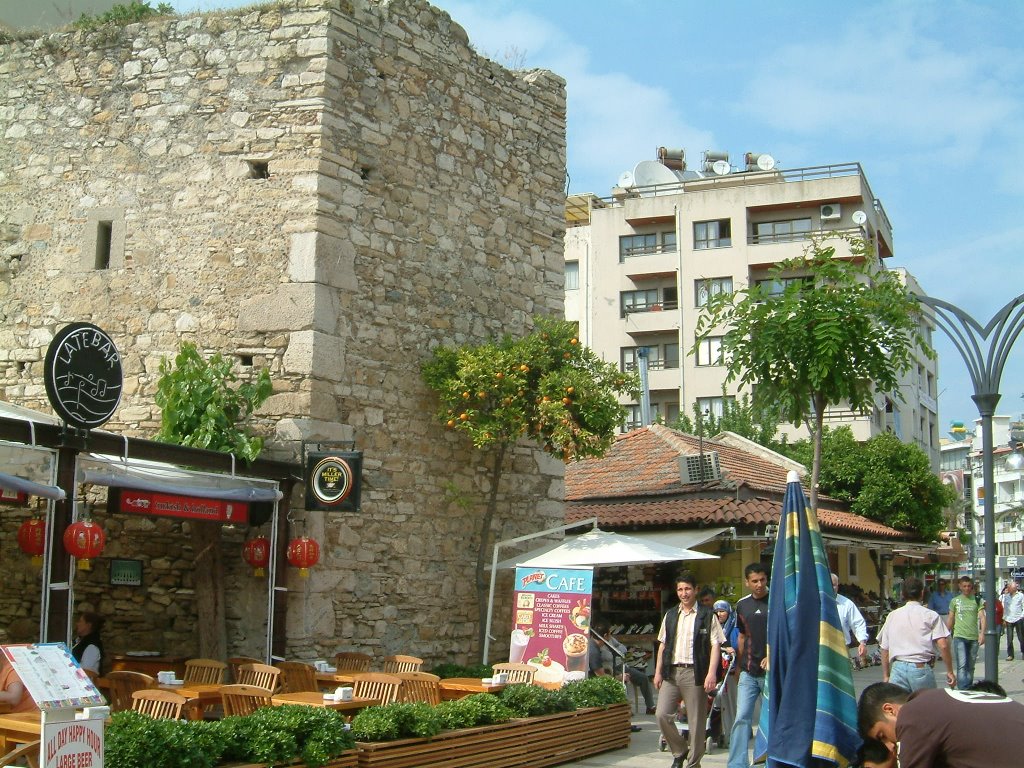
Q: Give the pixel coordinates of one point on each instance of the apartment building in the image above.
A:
(642, 262)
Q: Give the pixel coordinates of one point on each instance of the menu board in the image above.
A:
(551, 621)
(52, 676)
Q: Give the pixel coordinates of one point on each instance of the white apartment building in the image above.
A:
(1008, 479)
(641, 263)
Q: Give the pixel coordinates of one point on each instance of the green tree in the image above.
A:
(546, 387)
(759, 424)
(202, 405)
(838, 332)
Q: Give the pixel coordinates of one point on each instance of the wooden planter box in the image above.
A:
(525, 743)
(349, 759)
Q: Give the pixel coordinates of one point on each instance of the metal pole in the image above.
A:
(645, 392)
(987, 406)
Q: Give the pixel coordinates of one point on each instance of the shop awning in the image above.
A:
(14, 483)
(682, 538)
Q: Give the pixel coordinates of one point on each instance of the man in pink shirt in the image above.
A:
(906, 640)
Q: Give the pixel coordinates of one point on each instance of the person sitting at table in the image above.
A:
(88, 647)
(12, 691)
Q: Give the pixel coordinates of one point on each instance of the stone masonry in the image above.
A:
(329, 189)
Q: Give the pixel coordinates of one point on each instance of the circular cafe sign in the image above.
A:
(331, 480)
(83, 375)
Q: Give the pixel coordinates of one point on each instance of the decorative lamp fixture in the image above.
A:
(1015, 461)
(303, 553)
(32, 539)
(84, 540)
(256, 552)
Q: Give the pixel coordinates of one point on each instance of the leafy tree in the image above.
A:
(202, 405)
(759, 424)
(124, 13)
(837, 332)
(546, 387)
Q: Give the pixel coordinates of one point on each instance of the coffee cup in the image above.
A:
(165, 678)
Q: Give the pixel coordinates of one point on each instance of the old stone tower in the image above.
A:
(328, 188)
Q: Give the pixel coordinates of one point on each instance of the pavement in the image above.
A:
(643, 751)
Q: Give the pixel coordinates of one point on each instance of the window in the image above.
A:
(853, 565)
(712, 234)
(671, 413)
(572, 275)
(646, 244)
(103, 246)
(713, 406)
(658, 357)
(648, 300)
(777, 286)
(713, 286)
(709, 351)
(781, 231)
(671, 357)
(104, 238)
(634, 419)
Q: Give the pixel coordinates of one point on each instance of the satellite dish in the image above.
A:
(648, 173)
(721, 167)
(859, 217)
(626, 180)
(765, 162)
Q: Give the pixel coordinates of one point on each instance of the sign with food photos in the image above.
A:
(551, 622)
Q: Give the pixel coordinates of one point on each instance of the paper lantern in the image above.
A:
(84, 540)
(32, 539)
(256, 552)
(303, 553)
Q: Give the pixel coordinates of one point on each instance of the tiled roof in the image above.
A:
(637, 483)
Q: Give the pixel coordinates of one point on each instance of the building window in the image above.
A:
(671, 413)
(104, 238)
(712, 286)
(572, 275)
(853, 565)
(658, 357)
(671, 356)
(781, 231)
(646, 244)
(648, 300)
(777, 286)
(709, 351)
(633, 417)
(712, 406)
(712, 234)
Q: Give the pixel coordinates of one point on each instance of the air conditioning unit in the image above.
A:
(692, 471)
(831, 212)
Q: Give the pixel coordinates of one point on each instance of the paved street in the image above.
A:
(643, 751)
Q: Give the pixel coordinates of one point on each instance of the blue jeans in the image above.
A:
(906, 675)
(966, 656)
(748, 692)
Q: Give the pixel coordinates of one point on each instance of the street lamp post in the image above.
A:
(986, 368)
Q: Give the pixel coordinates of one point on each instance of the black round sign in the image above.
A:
(83, 375)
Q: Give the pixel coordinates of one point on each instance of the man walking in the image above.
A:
(906, 641)
(688, 652)
(967, 622)
(939, 600)
(855, 629)
(752, 660)
(1013, 617)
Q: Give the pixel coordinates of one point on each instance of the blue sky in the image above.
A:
(927, 96)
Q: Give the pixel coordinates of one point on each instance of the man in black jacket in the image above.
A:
(688, 652)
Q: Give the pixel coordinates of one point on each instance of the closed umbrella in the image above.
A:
(809, 714)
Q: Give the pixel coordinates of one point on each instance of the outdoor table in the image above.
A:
(147, 664)
(332, 680)
(460, 687)
(199, 696)
(316, 699)
(19, 728)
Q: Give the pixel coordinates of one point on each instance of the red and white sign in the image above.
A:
(10, 496)
(73, 744)
(192, 507)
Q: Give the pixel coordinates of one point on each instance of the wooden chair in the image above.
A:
(419, 686)
(26, 754)
(244, 699)
(296, 676)
(261, 675)
(236, 661)
(204, 671)
(399, 663)
(352, 661)
(376, 685)
(517, 673)
(159, 704)
(122, 685)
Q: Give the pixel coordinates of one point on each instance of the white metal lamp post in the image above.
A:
(986, 368)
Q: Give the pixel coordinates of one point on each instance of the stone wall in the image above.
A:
(325, 188)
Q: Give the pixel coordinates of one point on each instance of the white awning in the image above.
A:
(683, 538)
(21, 485)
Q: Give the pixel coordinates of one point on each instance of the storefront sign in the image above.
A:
(9, 496)
(73, 743)
(83, 375)
(166, 505)
(552, 622)
(333, 480)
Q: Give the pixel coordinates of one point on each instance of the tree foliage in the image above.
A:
(124, 13)
(545, 386)
(883, 479)
(203, 403)
(838, 332)
(759, 424)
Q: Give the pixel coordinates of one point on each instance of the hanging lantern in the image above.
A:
(32, 539)
(84, 540)
(256, 552)
(303, 553)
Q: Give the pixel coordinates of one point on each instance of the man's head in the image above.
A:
(757, 579)
(707, 597)
(835, 583)
(878, 709)
(1011, 587)
(686, 589)
(942, 585)
(966, 585)
(875, 754)
(601, 626)
(913, 588)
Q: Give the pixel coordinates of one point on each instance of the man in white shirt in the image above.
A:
(1013, 618)
(906, 642)
(852, 621)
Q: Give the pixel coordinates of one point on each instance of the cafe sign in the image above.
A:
(83, 375)
(170, 505)
(333, 480)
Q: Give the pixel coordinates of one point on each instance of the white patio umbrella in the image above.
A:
(597, 547)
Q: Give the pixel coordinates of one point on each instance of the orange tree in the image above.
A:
(546, 387)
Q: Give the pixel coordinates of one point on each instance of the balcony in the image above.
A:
(652, 318)
(662, 261)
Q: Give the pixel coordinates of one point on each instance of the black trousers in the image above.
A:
(1017, 628)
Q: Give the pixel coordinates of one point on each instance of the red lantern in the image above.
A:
(256, 552)
(84, 540)
(32, 539)
(303, 553)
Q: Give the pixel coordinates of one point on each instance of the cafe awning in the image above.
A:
(21, 485)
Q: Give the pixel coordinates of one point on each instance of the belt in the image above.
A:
(684, 666)
(918, 664)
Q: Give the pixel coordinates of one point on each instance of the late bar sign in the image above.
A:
(192, 507)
